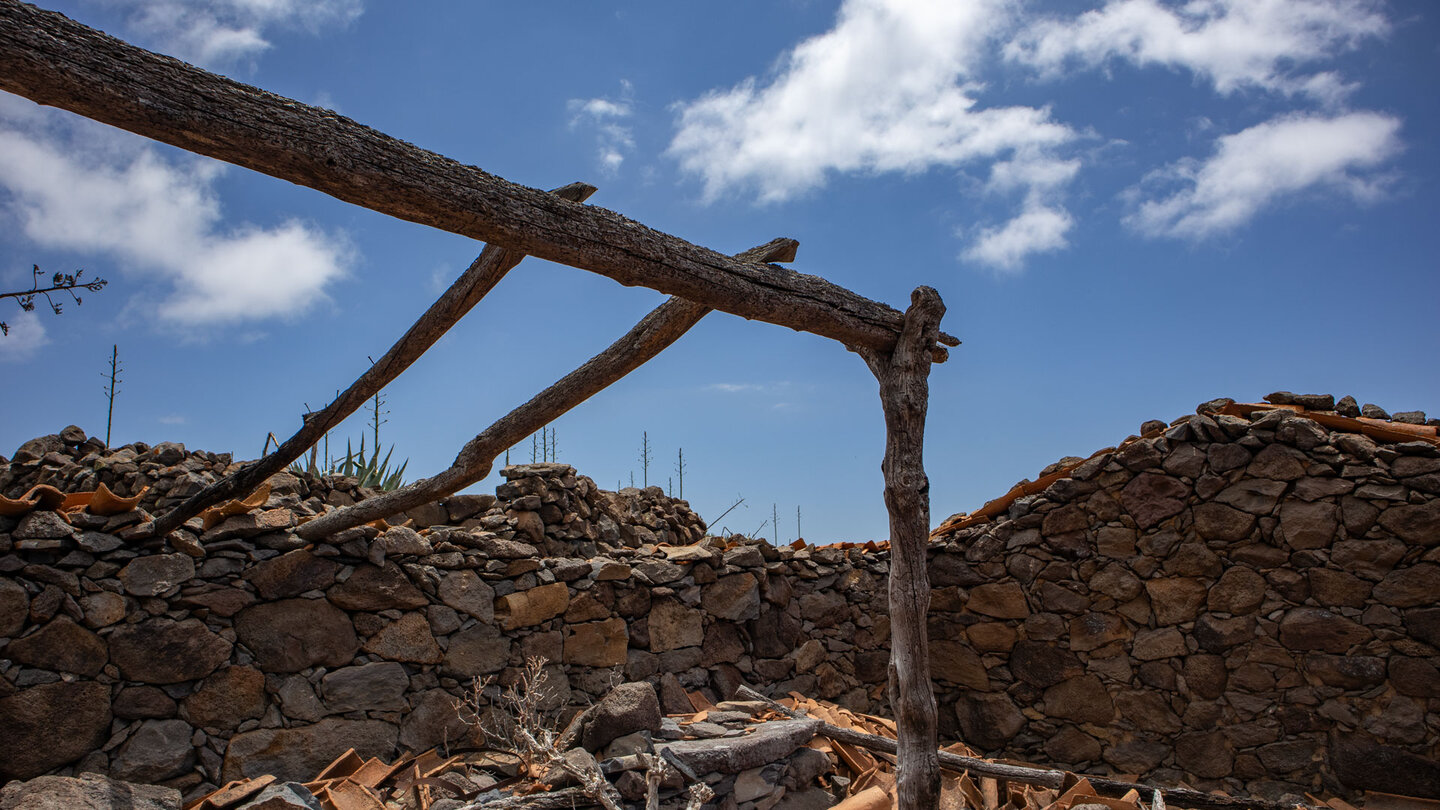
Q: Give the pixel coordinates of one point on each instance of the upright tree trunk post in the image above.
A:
(904, 394)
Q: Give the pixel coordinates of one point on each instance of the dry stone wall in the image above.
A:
(1242, 602)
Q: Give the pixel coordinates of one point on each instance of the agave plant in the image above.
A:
(373, 472)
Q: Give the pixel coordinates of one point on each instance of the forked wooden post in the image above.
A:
(904, 376)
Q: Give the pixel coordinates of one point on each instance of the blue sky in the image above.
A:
(1129, 206)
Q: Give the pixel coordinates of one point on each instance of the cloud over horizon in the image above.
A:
(1257, 167)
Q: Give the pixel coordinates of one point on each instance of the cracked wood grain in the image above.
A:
(53, 60)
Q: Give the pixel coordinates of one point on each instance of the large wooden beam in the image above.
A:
(52, 60)
(653, 334)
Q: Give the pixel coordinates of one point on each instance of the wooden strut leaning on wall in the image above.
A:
(656, 331)
(475, 283)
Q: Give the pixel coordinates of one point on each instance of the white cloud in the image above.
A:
(1256, 167)
(889, 88)
(162, 219)
(221, 32)
(1235, 44)
(26, 334)
(171, 419)
(736, 388)
(613, 138)
(1038, 229)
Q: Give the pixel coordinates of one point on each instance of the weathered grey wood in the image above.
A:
(657, 330)
(903, 375)
(53, 60)
(474, 284)
(1040, 777)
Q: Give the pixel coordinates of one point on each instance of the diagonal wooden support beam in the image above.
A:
(53, 60)
(656, 331)
(475, 283)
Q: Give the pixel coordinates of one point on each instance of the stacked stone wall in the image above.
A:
(1239, 602)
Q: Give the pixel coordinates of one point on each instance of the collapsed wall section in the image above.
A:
(1240, 602)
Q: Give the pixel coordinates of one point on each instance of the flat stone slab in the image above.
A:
(770, 742)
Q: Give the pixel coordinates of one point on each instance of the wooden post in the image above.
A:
(904, 394)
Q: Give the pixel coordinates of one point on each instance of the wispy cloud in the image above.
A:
(607, 116)
(1233, 44)
(1259, 166)
(1038, 229)
(161, 219)
(220, 32)
(736, 388)
(26, 336)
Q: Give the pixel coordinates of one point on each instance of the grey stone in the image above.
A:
(158, 750)
(1308, 525)
(1083, 699)
(374, 589)
(227, 698)
(88, 791)
(299, 753)
(156, 574)
(408, 638)
(378, 686)
(1312, 629)
(1151, 498)
(14, 607)
(43, 526)
(734, 598)
(167, 651)
(770, 742)
(1414, 523)
(630, 707)
(479, 650)
(988, 720)
(467, 593)
(1256, 496)
(62, 646)
(293, 634)
(51, 725)
(292, 574)
(283, 796)
(437, 720)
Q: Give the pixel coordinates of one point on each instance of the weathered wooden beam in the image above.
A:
(1040, 777)
(53, 60)
(904, 375)
(474, 284)
(656, 331)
